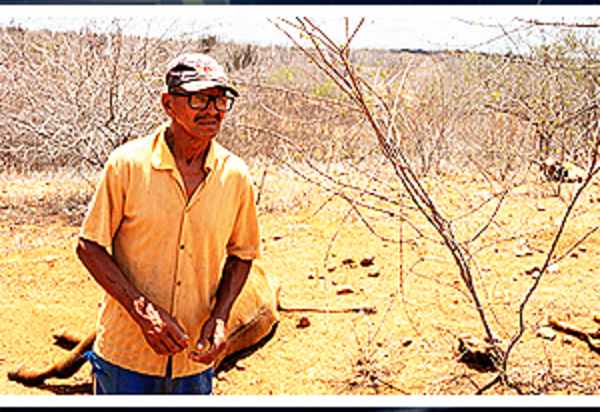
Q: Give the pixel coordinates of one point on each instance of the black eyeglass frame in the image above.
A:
(210, 99)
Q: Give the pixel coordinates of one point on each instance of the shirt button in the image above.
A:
(178, 283)
(182, 247)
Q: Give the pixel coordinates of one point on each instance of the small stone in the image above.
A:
(345, 290)
(406, 342)
(534, 271)
(350, 262)
(546, 333)
(477, 353)
(331, 268)
(240, 366)
(311, 276)
(277, 236)
(575, 255)
(374, 274)
(582, 249)
(368, 260)
(568, 340)
(303, 322)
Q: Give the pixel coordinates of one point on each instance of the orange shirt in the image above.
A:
(170, 248)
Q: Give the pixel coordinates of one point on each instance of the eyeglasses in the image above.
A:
(201, 101)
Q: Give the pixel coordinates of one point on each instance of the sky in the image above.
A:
(388, 27)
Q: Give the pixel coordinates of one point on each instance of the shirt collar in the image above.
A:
(162, 158)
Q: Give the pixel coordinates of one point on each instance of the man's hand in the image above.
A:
(212, 342)
(161, 330)
(213, 338)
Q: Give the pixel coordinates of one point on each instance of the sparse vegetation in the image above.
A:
(433, 157)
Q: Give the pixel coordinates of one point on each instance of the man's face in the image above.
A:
(197, 115)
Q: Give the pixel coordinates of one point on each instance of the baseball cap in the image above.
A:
(193, 72)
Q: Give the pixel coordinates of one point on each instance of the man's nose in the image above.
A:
(212, 106)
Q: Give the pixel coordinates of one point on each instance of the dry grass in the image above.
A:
(43, 197)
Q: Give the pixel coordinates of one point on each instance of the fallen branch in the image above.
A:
(589, 337)
(368, 310)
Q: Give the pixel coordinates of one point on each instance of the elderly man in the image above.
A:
(170, 236)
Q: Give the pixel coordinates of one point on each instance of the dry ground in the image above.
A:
(407, 347)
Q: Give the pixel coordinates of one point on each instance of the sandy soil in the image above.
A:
(408, 347)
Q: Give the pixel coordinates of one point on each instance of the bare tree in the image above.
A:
(70, 98)
(385, 115)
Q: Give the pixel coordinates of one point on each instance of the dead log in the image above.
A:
(591, 337)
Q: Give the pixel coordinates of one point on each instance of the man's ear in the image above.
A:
(167, 104)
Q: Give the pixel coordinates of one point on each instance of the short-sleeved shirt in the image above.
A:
(171, 248)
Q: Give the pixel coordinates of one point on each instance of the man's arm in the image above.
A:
(213, 338)
(160, 329)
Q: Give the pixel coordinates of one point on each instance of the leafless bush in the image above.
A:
(70, 98)
(381, 110)
(552, 89)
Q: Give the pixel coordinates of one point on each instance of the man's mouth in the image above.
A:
(206, 120)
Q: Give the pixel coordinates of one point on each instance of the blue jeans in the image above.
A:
(110, 379)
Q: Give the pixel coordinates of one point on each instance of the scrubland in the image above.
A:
(405, 182)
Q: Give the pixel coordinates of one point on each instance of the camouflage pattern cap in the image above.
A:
(194, 72)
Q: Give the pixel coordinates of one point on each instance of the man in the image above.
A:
(170, 236)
